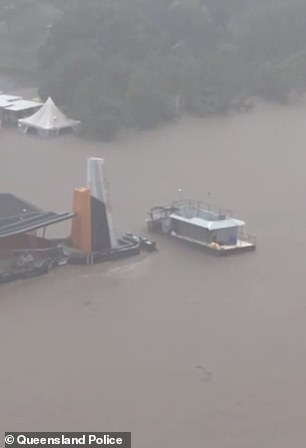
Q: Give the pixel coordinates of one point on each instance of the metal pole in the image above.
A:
(180, 194)
(208, 199)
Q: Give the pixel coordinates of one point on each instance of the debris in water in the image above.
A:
(206, 374)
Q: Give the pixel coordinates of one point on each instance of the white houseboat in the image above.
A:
(192, 221)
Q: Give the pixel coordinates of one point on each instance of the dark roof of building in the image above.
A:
(18, 216)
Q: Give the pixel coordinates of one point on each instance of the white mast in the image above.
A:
(97, 185)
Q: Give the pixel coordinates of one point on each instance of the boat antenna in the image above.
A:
(208, 199)
(179, 190)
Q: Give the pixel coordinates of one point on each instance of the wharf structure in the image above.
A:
(93, 236)
(25, 251)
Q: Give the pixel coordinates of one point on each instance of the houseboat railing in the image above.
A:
(242, 236)
(198, 206)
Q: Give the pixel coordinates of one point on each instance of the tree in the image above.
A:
(148, 103)
(101, 110)
(140, 62)
(23, 27)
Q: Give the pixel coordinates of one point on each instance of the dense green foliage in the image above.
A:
(139, 63)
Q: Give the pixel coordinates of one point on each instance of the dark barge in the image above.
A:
(129, 245)
(93, 236)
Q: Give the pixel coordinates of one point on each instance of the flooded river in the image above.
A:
(182, 349)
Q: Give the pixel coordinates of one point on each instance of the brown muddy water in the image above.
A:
(180, 348)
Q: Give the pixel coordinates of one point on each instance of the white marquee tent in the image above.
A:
(49, 121)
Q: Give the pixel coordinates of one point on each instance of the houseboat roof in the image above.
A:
(7, 100)
(209, 224)
(19, 105)
(18, 216)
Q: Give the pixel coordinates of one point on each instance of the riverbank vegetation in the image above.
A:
(140, 63)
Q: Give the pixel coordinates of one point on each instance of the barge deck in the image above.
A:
(216, 249)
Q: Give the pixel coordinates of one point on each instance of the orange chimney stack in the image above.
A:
(81, 224)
